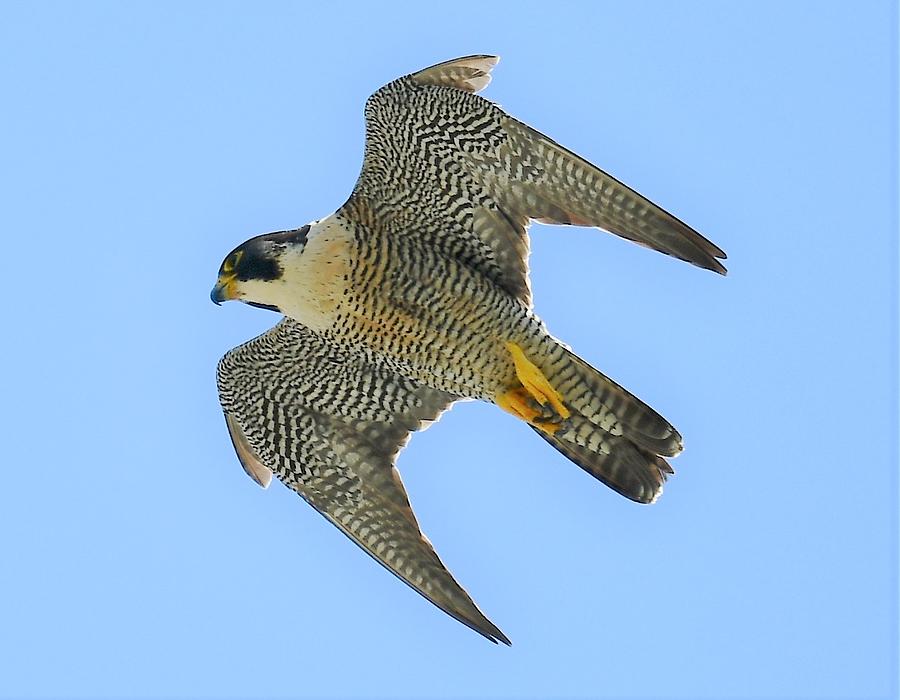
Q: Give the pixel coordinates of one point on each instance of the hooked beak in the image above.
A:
(223, 291)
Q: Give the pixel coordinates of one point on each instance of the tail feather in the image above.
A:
(606, 404)
(629, 470)
(611, 434)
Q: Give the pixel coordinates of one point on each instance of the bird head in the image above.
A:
(254, 271)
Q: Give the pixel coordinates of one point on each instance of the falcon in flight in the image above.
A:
(415, 294)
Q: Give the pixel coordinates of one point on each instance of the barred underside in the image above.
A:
(454, 170)
(330, 425)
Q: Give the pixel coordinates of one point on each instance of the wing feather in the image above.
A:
(470, 73)
(454, 170)
(336, 448)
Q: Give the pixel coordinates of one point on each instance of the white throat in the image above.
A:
(312, 283)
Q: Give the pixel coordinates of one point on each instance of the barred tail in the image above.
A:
(627, 469)
(611, 434)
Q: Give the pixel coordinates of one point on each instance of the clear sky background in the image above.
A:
(139, 142)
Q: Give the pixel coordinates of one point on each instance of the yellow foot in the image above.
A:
(536, 383)
(535, 401)
(522, 405)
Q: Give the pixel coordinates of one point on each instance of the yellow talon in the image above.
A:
(518, 402)
(535, 382)
(521, 404)
(524, 401)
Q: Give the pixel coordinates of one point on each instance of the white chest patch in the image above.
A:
(313, 281)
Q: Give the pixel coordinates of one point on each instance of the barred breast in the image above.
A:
(403, 304)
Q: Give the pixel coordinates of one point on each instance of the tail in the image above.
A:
(611, 434)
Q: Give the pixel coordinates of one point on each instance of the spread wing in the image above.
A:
(452, 169)
(330, 426)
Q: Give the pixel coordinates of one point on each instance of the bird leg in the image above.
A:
(535, 401)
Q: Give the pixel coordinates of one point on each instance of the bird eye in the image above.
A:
(232, 261)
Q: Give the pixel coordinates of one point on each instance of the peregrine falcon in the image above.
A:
(414, 295)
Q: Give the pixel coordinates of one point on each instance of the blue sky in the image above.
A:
(142, 141)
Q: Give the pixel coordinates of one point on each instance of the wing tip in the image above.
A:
(250, 461)
(710, 254)
(489, 631)
(469, 73)
(717, 267)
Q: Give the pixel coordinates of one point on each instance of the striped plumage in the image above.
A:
(415, 293)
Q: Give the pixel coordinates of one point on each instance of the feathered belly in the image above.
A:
(438, 322)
